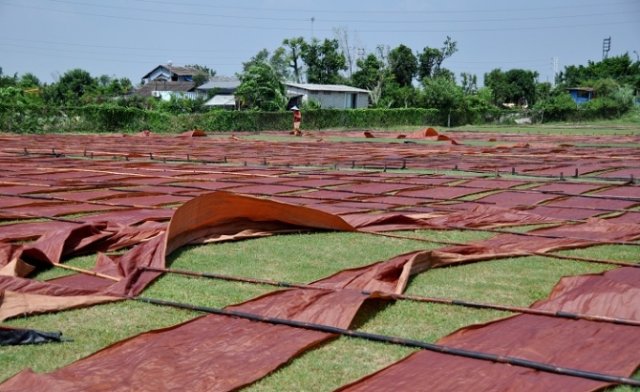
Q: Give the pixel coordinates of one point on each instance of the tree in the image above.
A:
(8, 81)
(514, 86)
(443, 94)
(294, 57)
(619, 68)
(370, 75)
(324, 61)
(71, 87)
(403, 65)
(260, 88)
(469, 83)
(29, 80)
(278, 61)
(430, 59)
(348, 50)
(205, 73)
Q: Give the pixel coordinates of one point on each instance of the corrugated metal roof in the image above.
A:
(175, 69)
(221, 100)
(326, 87)
(221, 83)
(148, 88)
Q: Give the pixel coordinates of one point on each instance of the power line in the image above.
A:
(280, 28)
(395, 10)
(380, 21)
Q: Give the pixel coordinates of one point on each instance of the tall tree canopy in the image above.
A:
(403, 65)
(514, 86)
(620, 68)
(370, 75)
(294, 56)
(430, 59)
(260, 88)
(324, 61)
(71, 87)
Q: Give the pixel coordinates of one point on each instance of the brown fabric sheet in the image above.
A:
(606, 348)
(222, 353)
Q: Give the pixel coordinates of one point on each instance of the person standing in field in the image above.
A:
(297, 119)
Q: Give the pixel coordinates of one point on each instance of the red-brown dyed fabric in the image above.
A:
(586, 345)
(223, 353)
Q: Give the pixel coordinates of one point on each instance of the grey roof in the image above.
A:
(175, 69)
(326, 87)
(221, 100)
(221, 83)
(156, 85)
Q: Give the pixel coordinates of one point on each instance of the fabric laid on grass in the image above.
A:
(223, 216)
(223, 353)
(588, 345)
(216, 216)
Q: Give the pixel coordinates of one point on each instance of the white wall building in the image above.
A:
(329, 96)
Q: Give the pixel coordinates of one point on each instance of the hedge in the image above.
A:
(114, 118)
(24, 118)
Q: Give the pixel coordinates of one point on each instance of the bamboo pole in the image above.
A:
(414, 298)
(86, 272)
(442, 349)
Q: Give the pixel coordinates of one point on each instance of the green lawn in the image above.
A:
(303, 258)
(306, 257)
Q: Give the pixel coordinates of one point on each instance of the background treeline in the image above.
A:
(407, 88)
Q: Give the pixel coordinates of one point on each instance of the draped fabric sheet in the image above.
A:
(587, 345)
(222, 353)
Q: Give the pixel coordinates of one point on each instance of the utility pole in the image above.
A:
(555, 70)
(313, 19)
(606, 46)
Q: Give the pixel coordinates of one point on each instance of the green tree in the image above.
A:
(29, 80)
(403, 65)
(324, 61)
(514, 86)
(469, 83)
(71, 88)
(278, 61)
(443, 94)
(430, 59)
(294, 56)
(8, 81)
(396, 96)
(619, 68)
(204, 73)
(370, 75)
(260, 88)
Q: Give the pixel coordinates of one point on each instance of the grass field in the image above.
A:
(303, 258)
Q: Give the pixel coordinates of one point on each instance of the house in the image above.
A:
(166, 81)
(170, 72)
(581, 95)
(329, 96)
(221, 89)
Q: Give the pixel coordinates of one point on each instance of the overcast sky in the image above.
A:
(128, 38)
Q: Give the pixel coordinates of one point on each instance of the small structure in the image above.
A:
(329, 96)
(581, 95)
(221, 89)
(170, 72)
(166, 81)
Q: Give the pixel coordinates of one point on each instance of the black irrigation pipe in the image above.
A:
(505, 359)
(405, 297)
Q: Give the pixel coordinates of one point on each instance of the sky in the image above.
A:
(128, 38)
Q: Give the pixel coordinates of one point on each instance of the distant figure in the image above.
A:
(297, 119)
